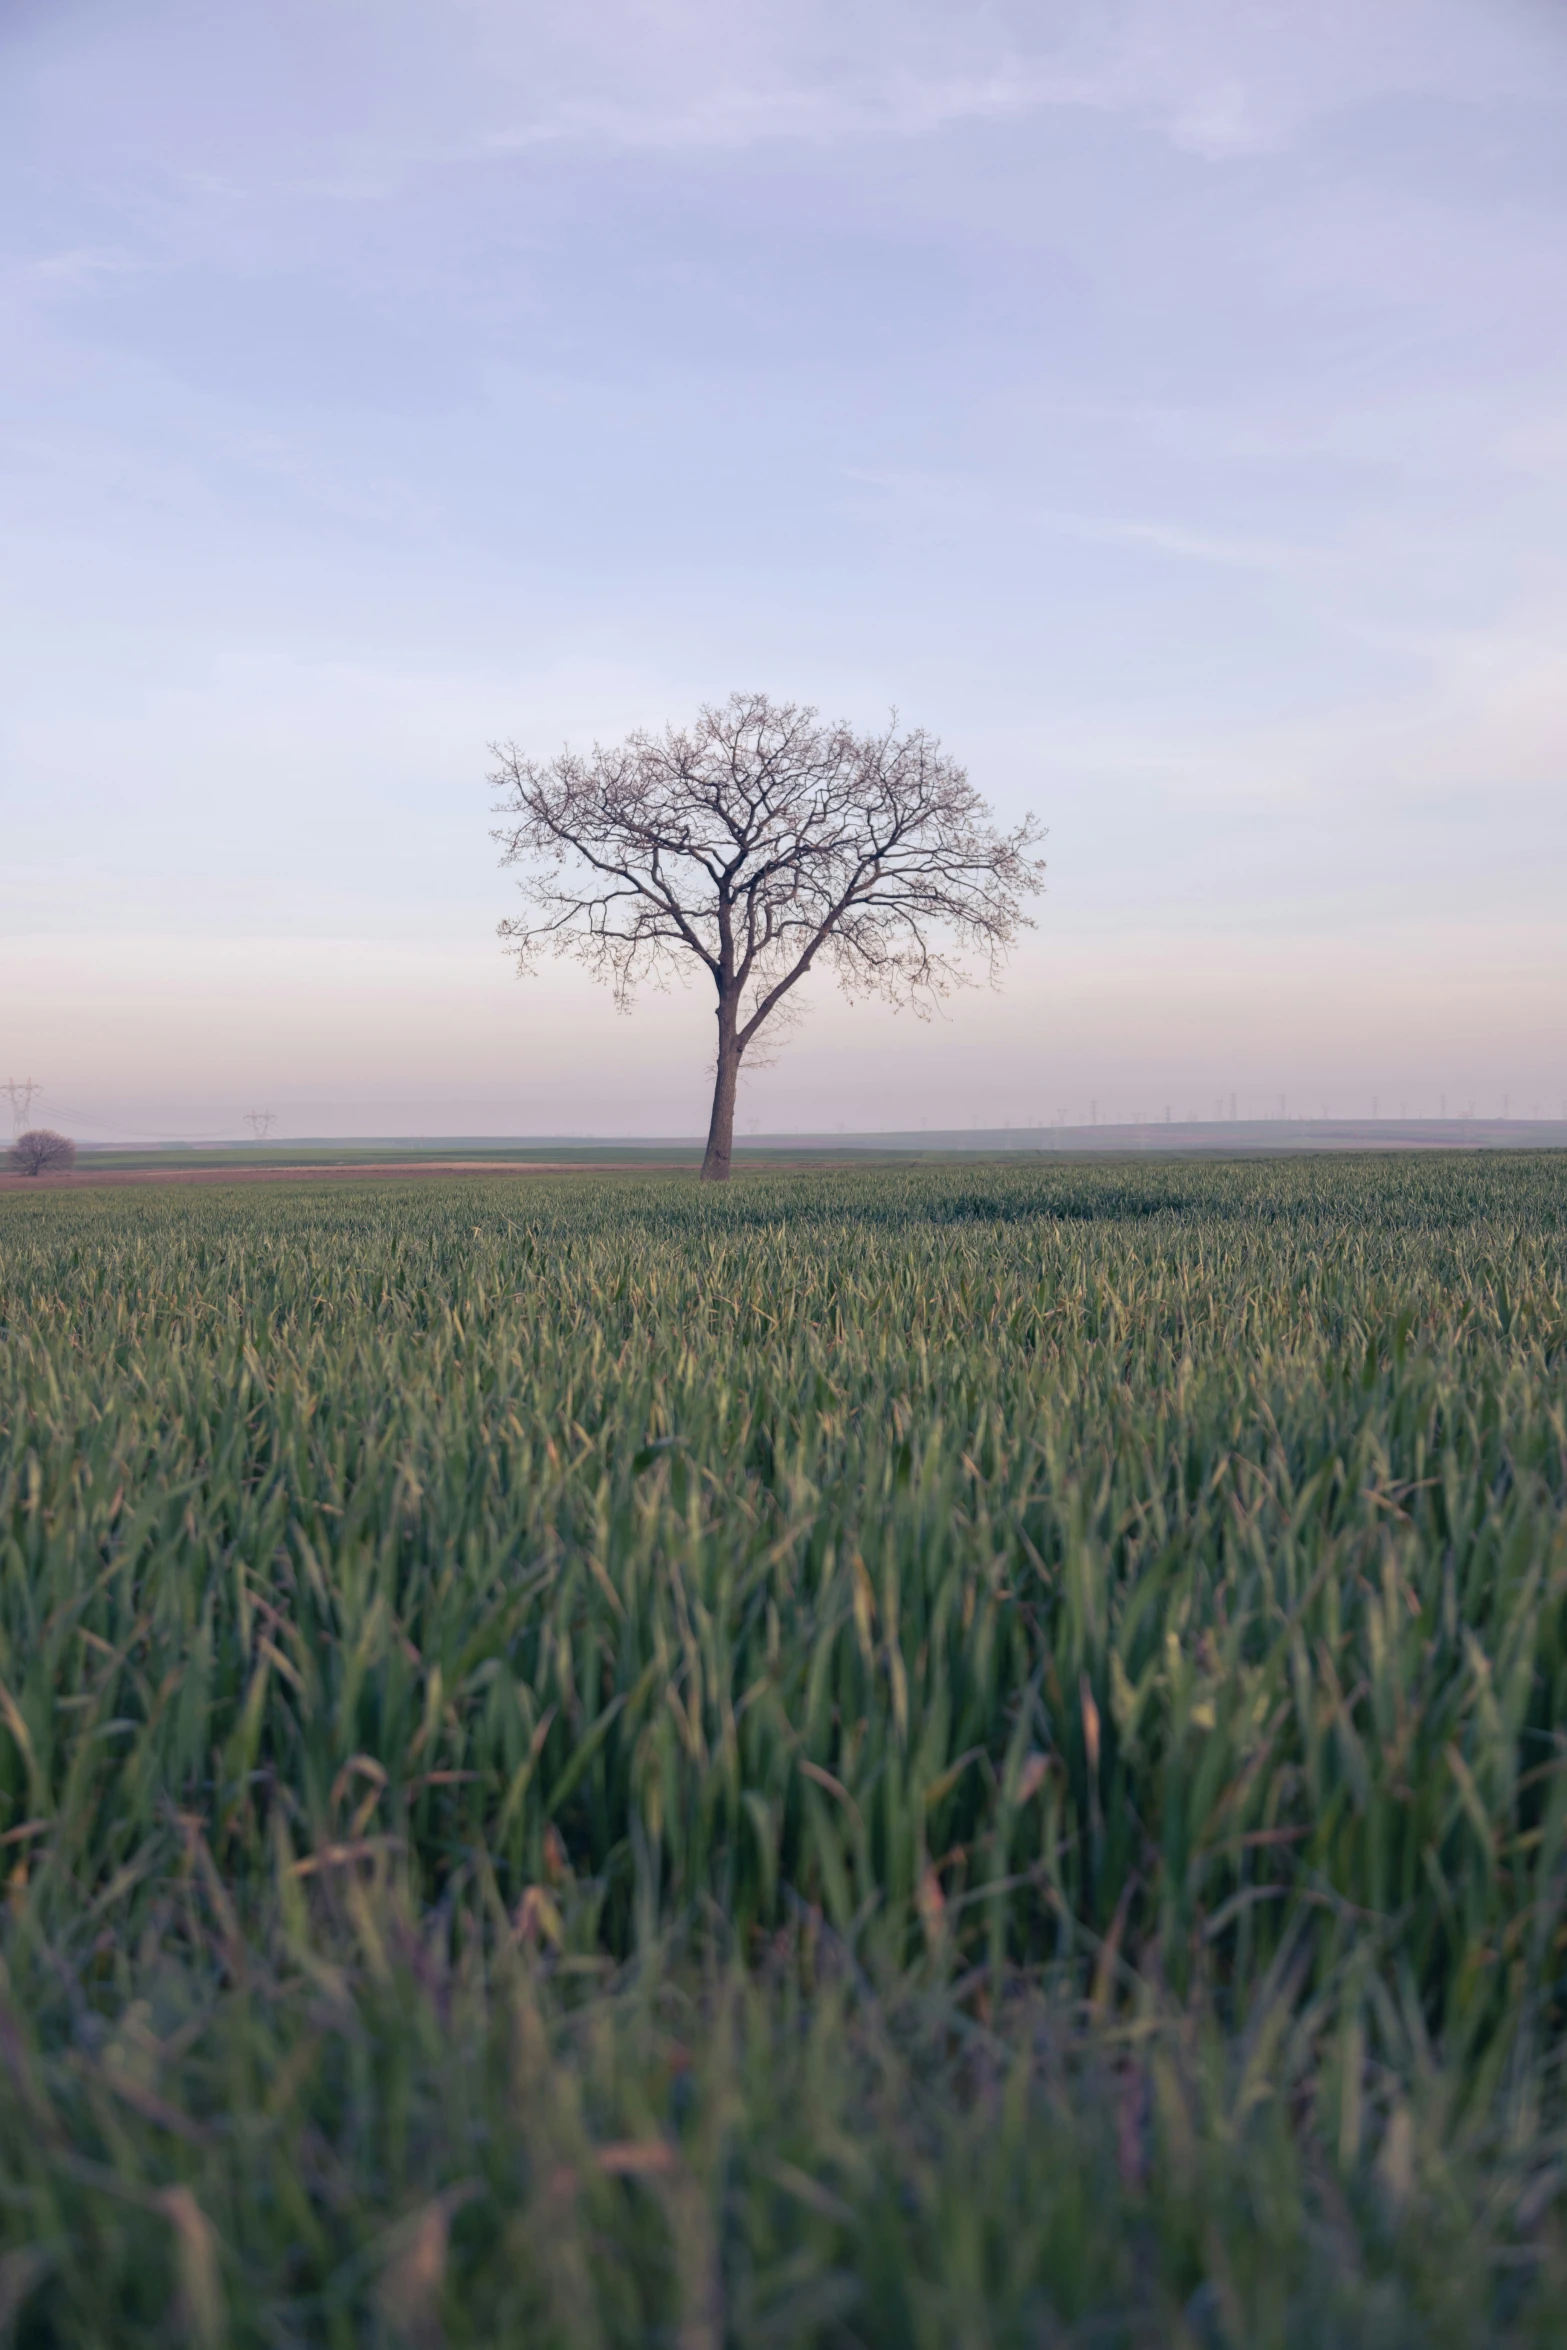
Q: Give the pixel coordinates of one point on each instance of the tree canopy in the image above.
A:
(41, 1151)
(762, 843)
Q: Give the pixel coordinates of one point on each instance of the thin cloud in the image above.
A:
(85, 267)
(1221, 79)
(937, 498)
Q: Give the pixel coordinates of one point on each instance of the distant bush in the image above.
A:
(42, 1152)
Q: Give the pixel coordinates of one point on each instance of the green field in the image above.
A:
(921, 1757)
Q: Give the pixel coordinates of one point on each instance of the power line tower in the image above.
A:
(22, 1098)
(261, 1123)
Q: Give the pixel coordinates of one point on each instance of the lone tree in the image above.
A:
(41, 1152)
(762, 843)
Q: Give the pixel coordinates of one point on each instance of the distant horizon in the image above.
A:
(1155, 1133)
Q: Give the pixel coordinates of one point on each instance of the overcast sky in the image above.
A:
(1164, 402)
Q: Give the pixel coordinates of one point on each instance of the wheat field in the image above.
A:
(961, 1756)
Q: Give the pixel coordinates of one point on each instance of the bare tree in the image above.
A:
(762, 843)
(40, 1152)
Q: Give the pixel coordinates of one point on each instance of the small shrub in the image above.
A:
(42, 1152)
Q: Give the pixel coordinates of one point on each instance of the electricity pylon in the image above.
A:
(261, 1123)
(22, 1098)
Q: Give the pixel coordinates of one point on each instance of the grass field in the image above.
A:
(935, 1757)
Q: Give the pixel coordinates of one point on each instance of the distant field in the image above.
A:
(915, 1756)
(1258, 1137)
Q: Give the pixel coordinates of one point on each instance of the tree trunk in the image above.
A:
(726, 1084)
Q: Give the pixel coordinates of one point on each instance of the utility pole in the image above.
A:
(261, 1123)
(23, 1096)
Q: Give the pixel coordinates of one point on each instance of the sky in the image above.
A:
(1162, 401)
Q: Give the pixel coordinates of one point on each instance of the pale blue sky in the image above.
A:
(1165, 402)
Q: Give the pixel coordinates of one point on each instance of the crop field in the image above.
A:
(950, 1757)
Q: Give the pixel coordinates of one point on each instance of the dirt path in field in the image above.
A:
(362, 1170)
